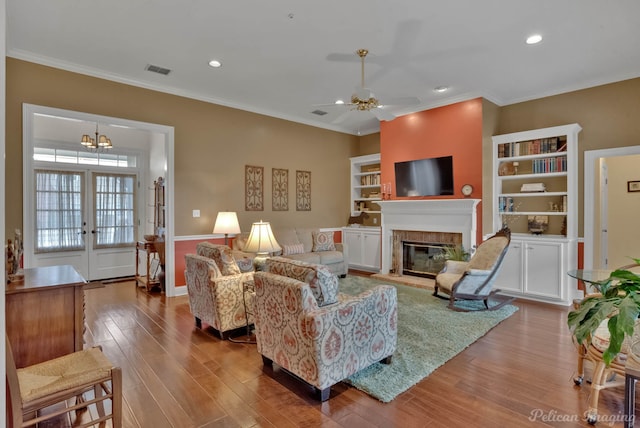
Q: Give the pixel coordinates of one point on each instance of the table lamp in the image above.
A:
(262, 242)
(226, 222)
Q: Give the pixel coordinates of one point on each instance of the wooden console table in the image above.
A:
(45, 314)
(148, 279)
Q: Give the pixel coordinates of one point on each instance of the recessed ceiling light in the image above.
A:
(441, 89)
(339, 102)
(215, 63)
(532, 40)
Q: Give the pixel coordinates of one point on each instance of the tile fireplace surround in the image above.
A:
(454, 216)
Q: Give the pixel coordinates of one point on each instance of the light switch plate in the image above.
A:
(196, 213)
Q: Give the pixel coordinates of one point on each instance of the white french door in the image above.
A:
(87, 219)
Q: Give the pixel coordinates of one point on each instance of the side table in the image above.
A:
(149, 278)
(632, 374)
(248, 288)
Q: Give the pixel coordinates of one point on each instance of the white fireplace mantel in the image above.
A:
(427, 215)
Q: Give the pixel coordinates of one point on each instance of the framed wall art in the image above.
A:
(633, 186)
(303, 190)
(253, 188)
(280, 189)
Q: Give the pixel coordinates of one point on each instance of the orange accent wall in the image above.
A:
(453, 130)
(187, 247)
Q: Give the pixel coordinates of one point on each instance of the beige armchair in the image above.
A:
(321, 336)
(215, 288)
(473, 280)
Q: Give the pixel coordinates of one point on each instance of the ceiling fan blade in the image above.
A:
(401, 101)
(382, 114)
(341, 118)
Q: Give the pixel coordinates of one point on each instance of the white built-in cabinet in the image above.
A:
(534, 268)
(535, 194)
(363, 247)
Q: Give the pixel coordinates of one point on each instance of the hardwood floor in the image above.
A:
(175, 375)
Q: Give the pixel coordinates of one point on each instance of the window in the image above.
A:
(59, 203)
(111, 159)
(115, 215)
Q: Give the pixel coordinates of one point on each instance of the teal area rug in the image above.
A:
(429, 334)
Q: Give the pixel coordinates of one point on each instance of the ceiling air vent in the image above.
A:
(319, 112)
(157, 69)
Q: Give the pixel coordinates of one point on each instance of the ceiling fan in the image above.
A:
(363, 99)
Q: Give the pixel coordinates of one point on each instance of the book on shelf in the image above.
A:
(533, 147)
(533, 187)
(505, 204)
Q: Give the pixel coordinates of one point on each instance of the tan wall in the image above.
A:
(608, 115)
(369, 144)
(490, 118)
(213, 143)
(622, 212)
(212, 146)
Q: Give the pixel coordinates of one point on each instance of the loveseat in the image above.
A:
(308, 328)
(215, 288)
(307, 245)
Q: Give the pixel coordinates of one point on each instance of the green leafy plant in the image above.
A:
(617, 299)
(456, 252)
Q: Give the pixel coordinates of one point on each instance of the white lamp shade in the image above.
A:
(261, 239)
(226, 222)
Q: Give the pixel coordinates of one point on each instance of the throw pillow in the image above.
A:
(323, 241)
(226, 262)
(291, 249)
(245, 264)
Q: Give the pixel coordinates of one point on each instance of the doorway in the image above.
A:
(600, 194)
(85, 218)
(142, 152)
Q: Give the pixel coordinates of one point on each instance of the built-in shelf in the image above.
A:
(543, 224)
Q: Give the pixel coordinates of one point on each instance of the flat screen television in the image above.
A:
(425, 177)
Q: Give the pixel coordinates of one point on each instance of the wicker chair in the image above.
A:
(602, 377)
(34, 388)
(473, 280)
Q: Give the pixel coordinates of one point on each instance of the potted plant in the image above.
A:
(618, 300)
(456, 252)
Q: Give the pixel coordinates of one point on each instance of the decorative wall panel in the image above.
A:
(280, 189)
(253, 188)
(303, 190)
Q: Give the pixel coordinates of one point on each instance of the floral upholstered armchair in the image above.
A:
(215, 288)
(305, 326)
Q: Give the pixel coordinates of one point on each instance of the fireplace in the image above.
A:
(425, 221)
(418, 253)
(423, 259)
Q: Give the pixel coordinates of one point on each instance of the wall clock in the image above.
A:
(466, 190)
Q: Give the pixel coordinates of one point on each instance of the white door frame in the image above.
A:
(590, 187)
(29, 110)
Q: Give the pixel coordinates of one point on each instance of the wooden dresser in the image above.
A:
(45, 314)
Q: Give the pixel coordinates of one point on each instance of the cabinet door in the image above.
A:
(371, 250)
(353, 240)
(543, 269)
(510, 276)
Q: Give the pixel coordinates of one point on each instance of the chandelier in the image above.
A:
(100, 143)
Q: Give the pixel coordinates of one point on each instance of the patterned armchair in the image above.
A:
(215, 287)
(321, 336)
(473, 280)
